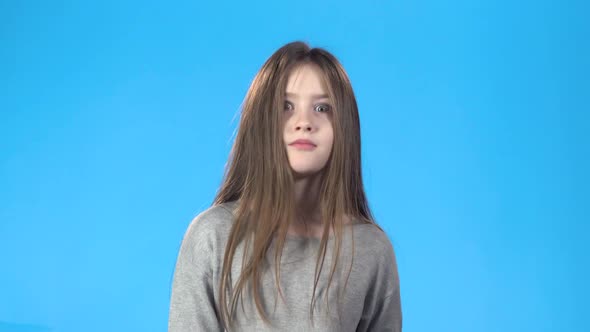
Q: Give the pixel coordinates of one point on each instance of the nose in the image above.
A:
(303, 127)
(303, 123)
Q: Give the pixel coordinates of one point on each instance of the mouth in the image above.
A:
(303, 146)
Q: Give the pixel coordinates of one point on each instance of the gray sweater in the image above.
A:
(370, 302)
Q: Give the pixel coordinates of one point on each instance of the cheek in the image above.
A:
(330, 135)
(285, 126)
(286, 123)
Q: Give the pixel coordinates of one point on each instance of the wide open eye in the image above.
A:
(288, 106)
(322, 108)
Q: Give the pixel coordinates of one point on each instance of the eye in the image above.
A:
(288, 106)
(322, 108)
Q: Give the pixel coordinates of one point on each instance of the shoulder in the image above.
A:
(213, 217)
(375, 253)
(372, 238)
(209, 228)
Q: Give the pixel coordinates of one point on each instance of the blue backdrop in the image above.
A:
(116, 120)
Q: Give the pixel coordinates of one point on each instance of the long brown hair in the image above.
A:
(258, 174)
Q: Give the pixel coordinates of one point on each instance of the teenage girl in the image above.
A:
(289, 243)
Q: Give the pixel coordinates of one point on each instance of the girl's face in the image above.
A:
(307, 131)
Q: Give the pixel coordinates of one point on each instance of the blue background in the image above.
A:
(116, 120)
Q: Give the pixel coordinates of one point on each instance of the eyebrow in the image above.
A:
(320, 96)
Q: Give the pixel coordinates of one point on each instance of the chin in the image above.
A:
(305, 171)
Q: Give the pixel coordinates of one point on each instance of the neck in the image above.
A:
(307, 196)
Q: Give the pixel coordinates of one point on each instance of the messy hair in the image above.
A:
(259, 177)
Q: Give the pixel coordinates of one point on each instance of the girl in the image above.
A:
(289, 243)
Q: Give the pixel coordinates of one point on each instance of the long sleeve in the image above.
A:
(386, 315)
(192, 302)
(382, 307)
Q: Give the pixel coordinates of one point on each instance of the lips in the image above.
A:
(303, 144)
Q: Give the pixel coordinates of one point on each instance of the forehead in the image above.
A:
(306, 79)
